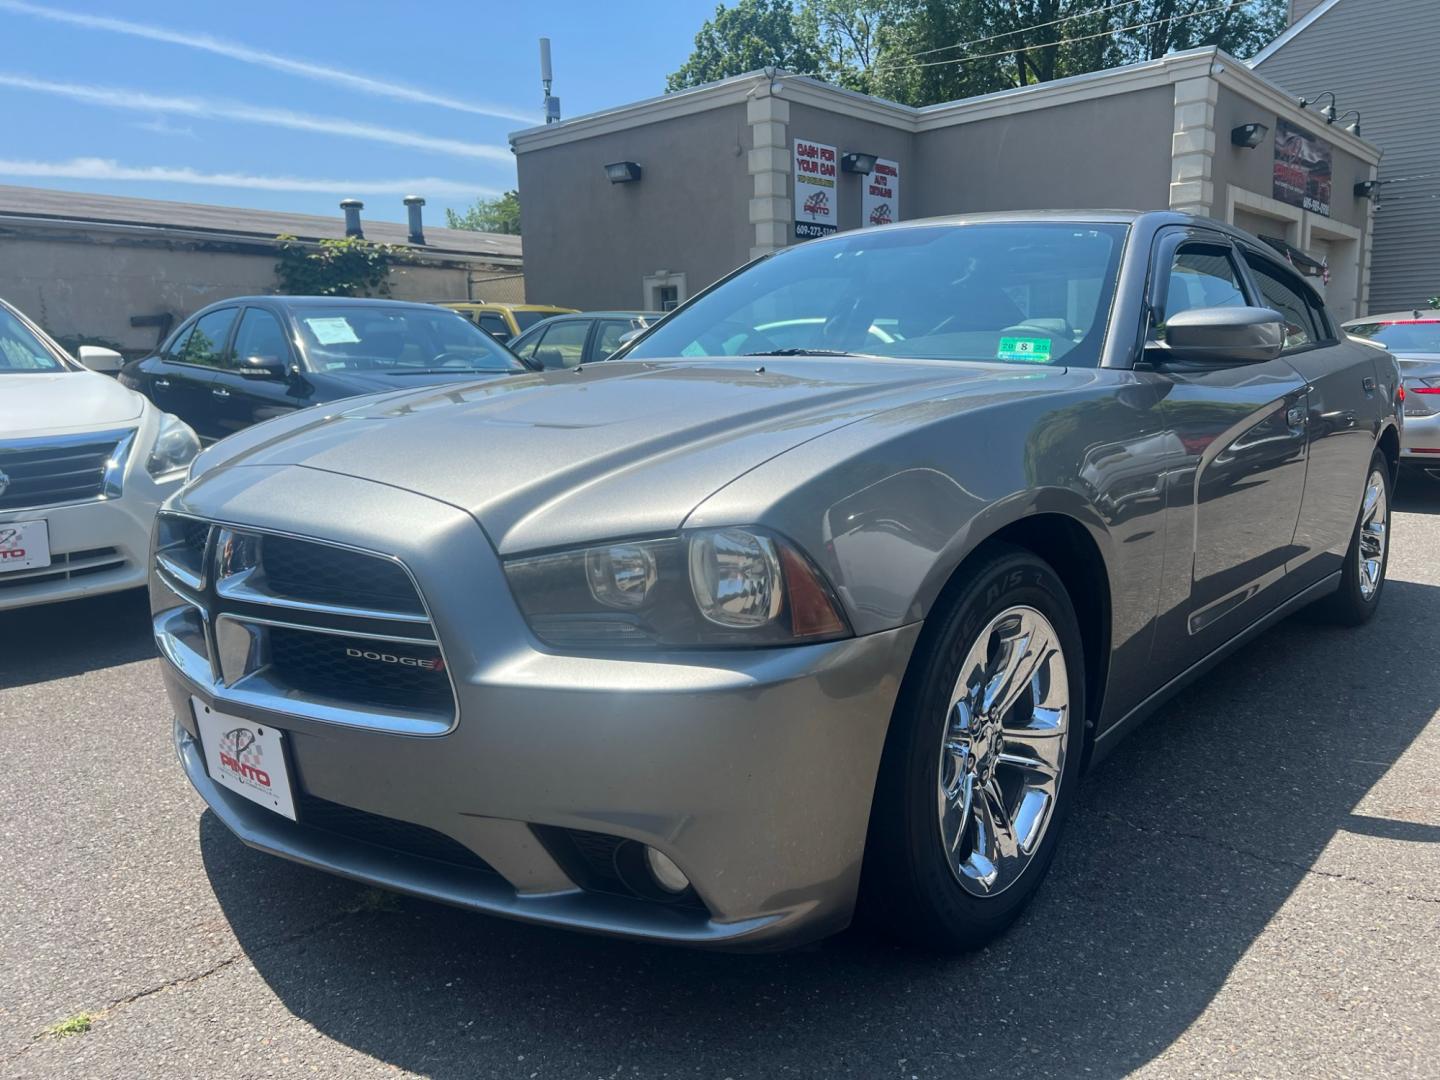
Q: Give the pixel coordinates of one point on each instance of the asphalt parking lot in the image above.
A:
(1251, 886)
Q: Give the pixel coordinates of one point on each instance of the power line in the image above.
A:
(1021, 30)
(1087, 37)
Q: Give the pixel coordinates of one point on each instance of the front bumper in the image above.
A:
(753, 770)
(99, 546)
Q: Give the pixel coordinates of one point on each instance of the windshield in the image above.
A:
(1017, 293)
(1421, 336)
(21, 352)
(527, 319)
(397, 340)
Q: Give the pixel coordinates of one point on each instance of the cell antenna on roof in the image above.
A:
(547, 76)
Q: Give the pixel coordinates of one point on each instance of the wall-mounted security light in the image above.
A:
(863, 164)
(1248, 135)
(622, 172)
(1329, 111)
(1354, 126)
(1366, 189)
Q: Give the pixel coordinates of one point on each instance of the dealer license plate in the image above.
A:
(246, 757)
(24, 545)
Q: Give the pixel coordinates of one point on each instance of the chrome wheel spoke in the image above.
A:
(1003, 752)
(1373, 535)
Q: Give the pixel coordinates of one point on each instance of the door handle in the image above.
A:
(1368, 383)
(162, 384)
(220, 391)
(1295, 416)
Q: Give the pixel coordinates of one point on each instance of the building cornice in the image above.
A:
(803, 90)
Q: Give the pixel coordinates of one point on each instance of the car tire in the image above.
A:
(1362, 577)
(927, 862)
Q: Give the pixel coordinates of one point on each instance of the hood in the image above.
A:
(350, 383)
(618, 449)
(62, 402)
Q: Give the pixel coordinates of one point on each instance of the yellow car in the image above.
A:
(503, 321)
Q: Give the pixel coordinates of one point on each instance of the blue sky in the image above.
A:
(294, 105)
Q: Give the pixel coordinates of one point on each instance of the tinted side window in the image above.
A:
(493, 324)
(1201, 276)
(563, 345)
(1279, 290)
(261, 334)
(206, 343)
(607, 337)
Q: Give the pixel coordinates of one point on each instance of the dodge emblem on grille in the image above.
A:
(390, 658)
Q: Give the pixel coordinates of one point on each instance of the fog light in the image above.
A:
(666, 874)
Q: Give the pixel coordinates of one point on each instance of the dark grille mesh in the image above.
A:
(321, 574)
(320, 664)
(389, 833)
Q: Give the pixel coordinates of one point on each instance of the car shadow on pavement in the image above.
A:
(56, 641)
(1184, 847)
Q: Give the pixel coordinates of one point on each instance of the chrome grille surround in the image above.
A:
(228, 613)
(63, 470)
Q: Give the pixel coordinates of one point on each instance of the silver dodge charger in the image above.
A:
(818, 600)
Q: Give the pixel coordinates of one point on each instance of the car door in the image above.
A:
(182, 381)
(1236, 470)
(1345, 404)
(244, 397)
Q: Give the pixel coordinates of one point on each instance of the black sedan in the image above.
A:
(252, 358)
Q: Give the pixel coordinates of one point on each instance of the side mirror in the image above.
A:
(264, 367)
(1226, 335)
(629, 336)
(105, 361)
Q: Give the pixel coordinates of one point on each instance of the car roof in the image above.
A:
(469, 305)
(1411, 315)
(606, 315)
(1152, 218)
(328, 301)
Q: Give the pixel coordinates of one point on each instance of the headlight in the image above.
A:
(728, 587)
(175, 447)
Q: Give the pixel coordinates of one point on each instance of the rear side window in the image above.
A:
(1283, 292)
(493, 324)
(205, 344)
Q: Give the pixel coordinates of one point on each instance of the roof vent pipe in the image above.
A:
(352, 208)
(413, 203)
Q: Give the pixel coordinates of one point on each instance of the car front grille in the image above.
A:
(300, 626)
(68, 469)
(389, 833)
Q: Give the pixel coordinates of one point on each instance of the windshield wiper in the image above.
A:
(804, 352)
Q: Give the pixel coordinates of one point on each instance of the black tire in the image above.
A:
(909, 889)
(1349, 605)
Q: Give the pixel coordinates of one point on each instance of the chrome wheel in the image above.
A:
(1374, 519)
(1003, 753)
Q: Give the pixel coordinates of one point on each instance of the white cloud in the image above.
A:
(276, 62)
(119, 98)
(109, 169)
(161, 126)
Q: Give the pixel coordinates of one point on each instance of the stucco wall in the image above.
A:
(590, 243)
(1110, 152)
(849, 134)
(1254, 170)
(78, 284)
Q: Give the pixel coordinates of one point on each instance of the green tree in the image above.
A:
(752, 34)
(498, 215)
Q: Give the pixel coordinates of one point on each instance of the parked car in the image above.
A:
(253, 358)
(503, 321)
(566, 341)
(1414, 339)
(714, 644)
(84, 464)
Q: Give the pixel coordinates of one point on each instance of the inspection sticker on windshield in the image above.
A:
(336, 331)
(245, 757)
(1033, 350)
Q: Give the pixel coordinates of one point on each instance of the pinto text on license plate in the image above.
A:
(24, 545)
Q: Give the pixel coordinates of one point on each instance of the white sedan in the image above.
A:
(84, 464)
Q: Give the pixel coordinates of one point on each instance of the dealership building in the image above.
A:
(643, 205)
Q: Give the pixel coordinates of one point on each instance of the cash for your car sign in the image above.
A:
(881, 202)
(816, 169)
